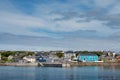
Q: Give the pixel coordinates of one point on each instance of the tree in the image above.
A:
(7, 53)
(99, 53)
(85, 52)
(60, 55)
(31, 53)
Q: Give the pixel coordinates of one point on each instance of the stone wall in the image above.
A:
(95, 64)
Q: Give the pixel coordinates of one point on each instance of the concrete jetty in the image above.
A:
(54, 64)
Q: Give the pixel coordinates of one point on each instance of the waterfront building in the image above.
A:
(69, 55)
(118, 57)
(10, 57)
(87, 57)
(114, 54)
(0, 56)
(41, 59)
(31, 59)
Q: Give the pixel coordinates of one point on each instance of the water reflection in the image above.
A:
(48, 73)
(109, 73)
(17, 73)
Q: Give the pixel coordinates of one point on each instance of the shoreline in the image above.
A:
(70, 64)
(19, 64)
(95, 64)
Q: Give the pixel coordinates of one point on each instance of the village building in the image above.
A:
(10, 57)
(87, 57)
(0, 56)
(69, 55)
(30, 59)
(118, 57)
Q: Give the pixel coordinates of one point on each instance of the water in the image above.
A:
(52, 73)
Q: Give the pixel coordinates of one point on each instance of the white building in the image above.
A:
(10, 57)
(114, 54)
(0, 56)
(69, 55)
(31, 59)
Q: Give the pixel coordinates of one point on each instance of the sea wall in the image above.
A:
(52, 65)
(56, 65)
(95, 64)
(70, 64)
(18, 64)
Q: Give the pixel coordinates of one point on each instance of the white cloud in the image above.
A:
(91, 44)
(115, 9)
(20, 24)
(42, 18)
(7, 6)
(104, 3)
(65, 44)
(16, 22)
(72, 25)
(27, 48)
(20, 19)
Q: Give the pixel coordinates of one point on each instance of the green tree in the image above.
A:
(85, 52)
(60, 55)
(31, 53)
(7, 53)
(99, 53)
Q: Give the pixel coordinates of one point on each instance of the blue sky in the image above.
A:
(59, 24)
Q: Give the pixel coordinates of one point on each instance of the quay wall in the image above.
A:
(56, 65)
(70, 64)
(52, 65)
(94, 64)
(18, 64)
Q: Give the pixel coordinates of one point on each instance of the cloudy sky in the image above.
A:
(59, 24)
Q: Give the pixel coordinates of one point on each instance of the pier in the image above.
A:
(54, 64)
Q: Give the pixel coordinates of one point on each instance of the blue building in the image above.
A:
(87, 57)
(41, 59)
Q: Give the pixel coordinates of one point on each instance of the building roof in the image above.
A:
(88, 54)
(69, 52)
(30, 57)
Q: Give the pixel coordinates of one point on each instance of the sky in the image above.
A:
(60, 25)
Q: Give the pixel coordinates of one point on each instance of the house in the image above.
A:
(10, 57)
(118, 57)
(41, 53)
(22, 61)
(105, 54)
(87, 57)
(52, 58)
(41, 59)
(42, 56)
(31, 59)
(108, 56)
(0, 56)
(114, 54)
(69, 55)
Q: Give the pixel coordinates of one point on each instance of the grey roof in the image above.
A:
(88, 54)
(30, 56)
(69, 52)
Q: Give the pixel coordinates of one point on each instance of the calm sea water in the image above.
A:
(52, 73)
